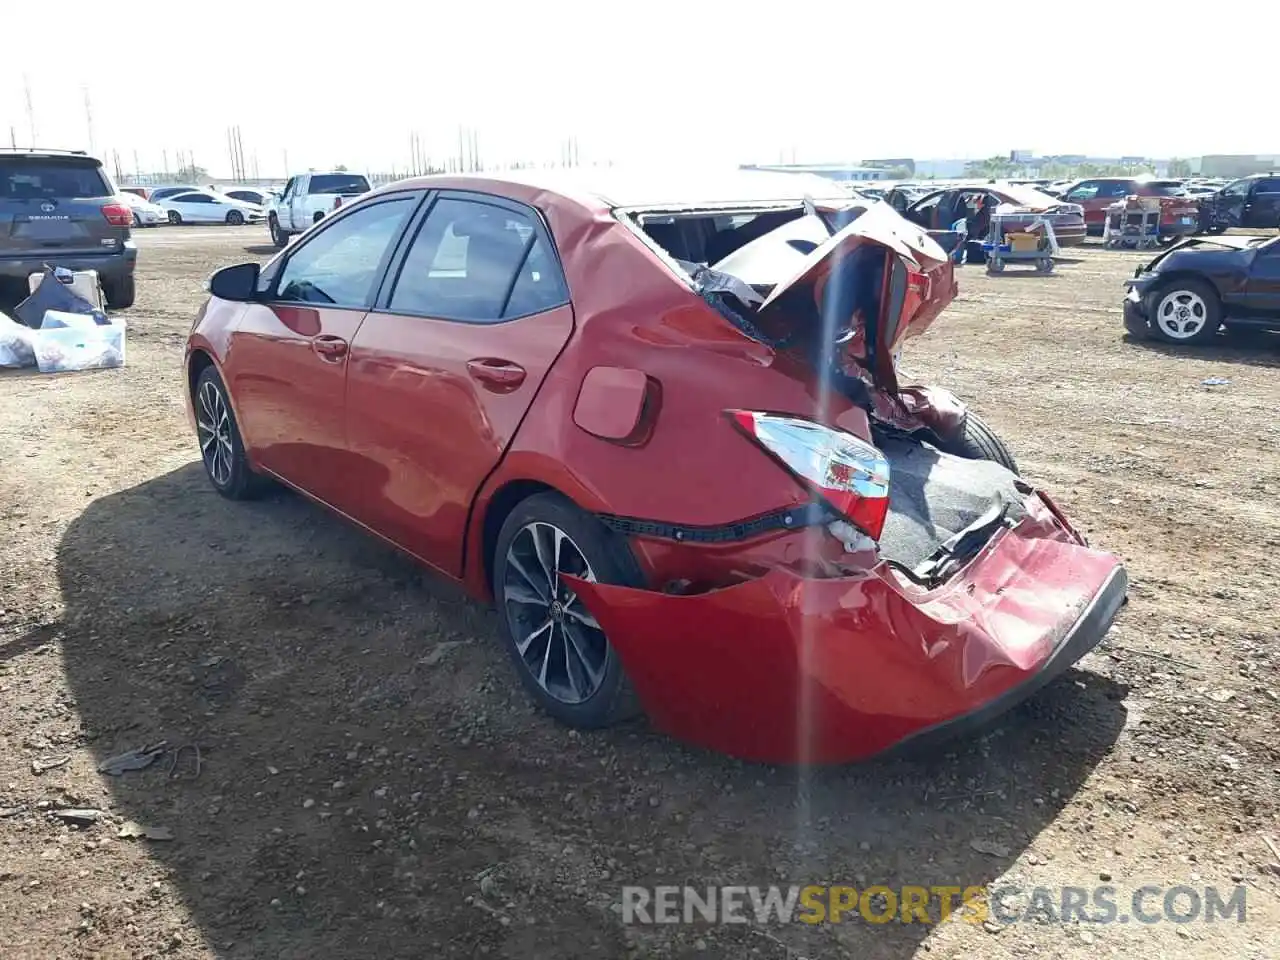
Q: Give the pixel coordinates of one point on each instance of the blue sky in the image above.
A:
(643, 82)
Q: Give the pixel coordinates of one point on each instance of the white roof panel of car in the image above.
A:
(679, 188)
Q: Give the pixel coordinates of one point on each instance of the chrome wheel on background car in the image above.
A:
(559, 642)
(1186, 313)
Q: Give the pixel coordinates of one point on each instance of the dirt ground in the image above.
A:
(372, 782)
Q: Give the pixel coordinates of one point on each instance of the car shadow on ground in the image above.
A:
(263, 250)
(372, 782)
(1255, 348)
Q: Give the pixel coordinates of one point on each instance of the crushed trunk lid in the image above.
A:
(914, 282)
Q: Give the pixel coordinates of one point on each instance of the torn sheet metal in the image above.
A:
(880, 224)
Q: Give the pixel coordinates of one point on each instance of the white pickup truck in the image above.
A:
(309, 197)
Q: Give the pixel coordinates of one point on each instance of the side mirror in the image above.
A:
(239, 284)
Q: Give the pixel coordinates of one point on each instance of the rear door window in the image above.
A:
(34, 178)
(478, 262)
(1268, 185)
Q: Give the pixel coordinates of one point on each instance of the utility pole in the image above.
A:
(286, 164)
(13, 137)
(31, 110)
(88, 119)
(164, 155)
(137, 167)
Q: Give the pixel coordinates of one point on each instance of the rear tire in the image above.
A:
(120, 293)
(977, 441)
(597, 693)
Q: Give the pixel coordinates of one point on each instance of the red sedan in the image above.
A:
(1179, 213)
(660, 425)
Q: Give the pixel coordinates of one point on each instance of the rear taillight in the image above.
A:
(117, 214)
(337, 202)
(850, 474)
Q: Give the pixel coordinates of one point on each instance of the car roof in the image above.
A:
(611, 187)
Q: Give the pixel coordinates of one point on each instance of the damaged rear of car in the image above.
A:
(898, 579)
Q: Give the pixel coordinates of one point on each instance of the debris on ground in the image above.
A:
(989, 847)
(78, 815)
(40, 764)
(137, 759)
(131, 828)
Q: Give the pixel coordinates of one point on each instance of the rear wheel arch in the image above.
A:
(509, 496)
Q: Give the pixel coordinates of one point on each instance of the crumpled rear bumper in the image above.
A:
(787, 668)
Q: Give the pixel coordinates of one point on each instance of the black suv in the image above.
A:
(1250, 202)
(58, 207)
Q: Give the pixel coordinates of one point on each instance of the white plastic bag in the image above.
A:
(63, 349)
(15, 344)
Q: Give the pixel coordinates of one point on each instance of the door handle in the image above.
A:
(329, 347)
(500, 376)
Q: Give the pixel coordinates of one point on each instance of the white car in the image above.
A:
(145, 213)
(248, 195)
(205, 206)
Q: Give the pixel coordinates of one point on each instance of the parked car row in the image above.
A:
(1018, 204)
(1188, 206)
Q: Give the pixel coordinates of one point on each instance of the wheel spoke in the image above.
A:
(519, 567)
(574, 668)
(540, 550)
(593, 674)
(546, 656)
(527, 595)
(559, 539)
(523, 645)
(581, 616)
(204, 402)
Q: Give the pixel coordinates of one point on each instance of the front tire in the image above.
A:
(175, 218)
(221, 448)
(1186, 312)
(977, 441)
(235, 218)
(278, 236)
(562, 655)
